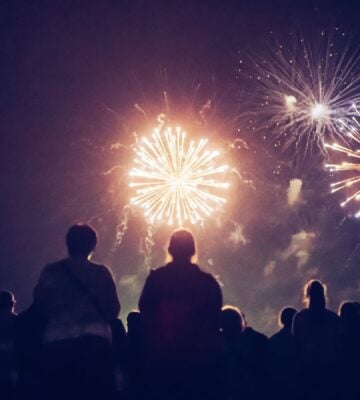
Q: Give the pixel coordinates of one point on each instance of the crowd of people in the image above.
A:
(181, 343)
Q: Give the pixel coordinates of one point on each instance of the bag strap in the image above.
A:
(84, 290)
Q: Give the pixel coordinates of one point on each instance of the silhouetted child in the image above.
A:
(135, 353)
(135, 337)
(350, 349)
(29, 335)
(283, 356)
(7, 353)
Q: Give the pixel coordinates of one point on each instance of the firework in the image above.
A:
(301, 91)
(352, 183)
(176, 182)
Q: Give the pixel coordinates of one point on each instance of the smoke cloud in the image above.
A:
(294, 192)
(300, 247)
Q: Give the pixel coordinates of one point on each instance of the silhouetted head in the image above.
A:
(287, 315)
(349, 313)
(232, 321)
(134, 321)
(81, 240)
(182, 245)
(315, 294)
(7, 301)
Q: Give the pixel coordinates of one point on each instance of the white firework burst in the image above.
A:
(301, 91)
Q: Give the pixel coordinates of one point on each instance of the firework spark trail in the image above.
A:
(147, 245)
(352, 131)
(302, 92)
(122, 226)
(174, 181)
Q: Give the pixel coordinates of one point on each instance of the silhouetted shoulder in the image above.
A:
(260, 337)
(48, 276)
(301, 314)
(309, 313)
(53, 267)
(332, 315)
(101, 270)
(278, 336)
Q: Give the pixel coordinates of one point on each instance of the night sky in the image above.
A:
(78, 78)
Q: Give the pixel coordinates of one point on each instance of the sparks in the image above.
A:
(352, 183)
(176, 182)
(301, 90)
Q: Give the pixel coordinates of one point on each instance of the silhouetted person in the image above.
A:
(286, 320)
(134, 325)
(232, 323)
(350, 349)
(316, 331)
(7, 353)
(79, 302)
(118, 350)
(135, 334)
(29, 334)
(134, 353)
(283, 356)
(246, 352)
(255, 347)
(237, 379)
(181, 307)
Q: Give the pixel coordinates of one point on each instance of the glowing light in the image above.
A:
(319, 111)
(175, 181)
(352, 182)
(300, 90)
(290, 102)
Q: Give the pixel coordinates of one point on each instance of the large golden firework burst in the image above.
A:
(176, 181)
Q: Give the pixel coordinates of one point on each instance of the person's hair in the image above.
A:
(182, 245)
(7, 300)
(232, 320)
(286, 316)
(81, 240)
(315, 294)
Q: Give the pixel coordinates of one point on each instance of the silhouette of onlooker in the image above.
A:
(246, 355)
(181, 308)
(79, 303)
(286, 320)
(7, 354)
(350, 349)
(316, 331)
(236, 377)
(283, 356)
(134, 352)
(118, 349)
(255, 347)
(134, 325)
(29, 331)
(134, 339)
(232, 323)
